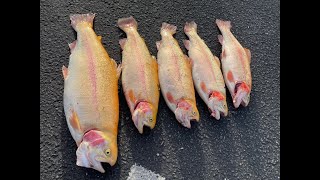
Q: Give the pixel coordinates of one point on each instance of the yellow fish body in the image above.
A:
(91, 102)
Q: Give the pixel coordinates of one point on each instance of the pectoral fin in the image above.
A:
(74, 121)
(248, 52)
(99, 38)
(118, 67)
(64, 72)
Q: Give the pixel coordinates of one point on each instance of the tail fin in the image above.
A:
(81, 18)
(127, 23)
(223, 24)
(190, 27)
(168, 29)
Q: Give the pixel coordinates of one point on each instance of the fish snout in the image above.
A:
(144, 116)
(185, 112)
(242, 95)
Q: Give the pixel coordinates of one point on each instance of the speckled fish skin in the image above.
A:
(139, 77)
(175, 77)
(235, 65)
(90, 98)
(207, 76)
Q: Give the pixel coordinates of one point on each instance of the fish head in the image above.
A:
(144, 115)
(241, 94)
(186, 111)
(95, 148)
(217, 104)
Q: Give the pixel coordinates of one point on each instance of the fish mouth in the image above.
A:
(245, 100)
(223, 114)
(217, 105)
(84, 160)
(241, 96)
(186, 122)
(143, 127)
(146, 129)
(98, 167)
(111, 162)
(87, 162)
(141, 120)
(183, 113)
(215, 113)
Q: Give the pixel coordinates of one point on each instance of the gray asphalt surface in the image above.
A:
(245, 145)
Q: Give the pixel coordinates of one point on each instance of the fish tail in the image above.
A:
(223, 24)
(77, 19)
(168, 28)
(190, 27)
(127, 23)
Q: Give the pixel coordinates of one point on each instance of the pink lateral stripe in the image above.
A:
(142, 77)
(92, 71)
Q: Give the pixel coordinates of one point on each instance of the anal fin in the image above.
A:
(64, 72)
(248, 52)
(118, 67)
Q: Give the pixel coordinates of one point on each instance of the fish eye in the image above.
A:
(107, 152)
(193, 112)
(150, 119)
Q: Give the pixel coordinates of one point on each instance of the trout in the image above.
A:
(139, 76)
(175, 77)
(90, 98)
(206, 73)
(235, 65)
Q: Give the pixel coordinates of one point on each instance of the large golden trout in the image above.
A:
(90, 98)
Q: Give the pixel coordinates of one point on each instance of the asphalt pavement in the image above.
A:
(244, 145)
